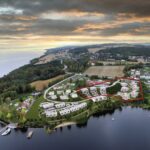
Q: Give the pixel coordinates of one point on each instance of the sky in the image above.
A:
(41, 24)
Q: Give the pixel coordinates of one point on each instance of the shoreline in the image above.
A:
(65, 124)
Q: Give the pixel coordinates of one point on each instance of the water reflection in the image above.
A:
(130, 130)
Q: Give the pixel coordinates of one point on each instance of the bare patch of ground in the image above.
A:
(112, 71)
(41, 84)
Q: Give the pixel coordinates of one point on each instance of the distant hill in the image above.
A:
(58, 49)
(135, 50)
(113, 46)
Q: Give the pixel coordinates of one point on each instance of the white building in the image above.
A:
(68, 91)
(64, 112)
(74, 95)
(124, 84)
(137, 73)
(103, 90)
(73, 108)
(99, 98)
(146, 77)
(124, 89)
(53, 97)
(134, 94)
(125, 96)
(60, 92)
(135, 88)
(46, 105)
(64, 97)
(60, 105)
(51, 93)
(51, 113)
(85, 91)
(93, 91)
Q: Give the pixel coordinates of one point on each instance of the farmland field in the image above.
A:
(41, 84)
(112, 71)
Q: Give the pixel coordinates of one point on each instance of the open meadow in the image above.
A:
(112, 71)
(41, 84)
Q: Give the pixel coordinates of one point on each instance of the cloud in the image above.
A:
(64, 18)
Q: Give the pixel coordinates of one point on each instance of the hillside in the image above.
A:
(17, 82)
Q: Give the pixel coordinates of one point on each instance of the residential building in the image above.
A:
(60, 105)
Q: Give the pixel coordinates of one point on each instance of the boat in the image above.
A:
(6, 132)
(113, 119)
(29, 135)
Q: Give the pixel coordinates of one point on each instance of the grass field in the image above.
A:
(34, 110)
(112, 71)
(41, 84)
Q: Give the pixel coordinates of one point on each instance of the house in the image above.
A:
(125, 96)
(26, 104)
(51, 93)
(72, 108)
(93, 91)
(85, 91)
(46, 105)
(36, 94)
(124, 89)
(60, 92)
(53, 97)
(74, 95)
(60, 105)
(103, 90)
(146, 77)
(64, 97)
(68, 91)
(64, 112)
(137, 73)
(124, 84)
(134, 94)
(83, 105)
(51, 113)
(99, 98)
(135, 87)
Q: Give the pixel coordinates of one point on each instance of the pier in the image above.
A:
(11, 126)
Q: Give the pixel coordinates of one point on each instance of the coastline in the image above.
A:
(65, 124)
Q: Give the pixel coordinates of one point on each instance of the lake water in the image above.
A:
(129, 131)
(14, 59)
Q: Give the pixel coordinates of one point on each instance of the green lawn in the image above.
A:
(34, 110)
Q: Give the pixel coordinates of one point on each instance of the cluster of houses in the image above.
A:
(135, 73)
(63, 95)
(142, 74)
(94, 91)
(62, 109)
(25, 105)
(73, 108)
(129, 90)
(99, 98)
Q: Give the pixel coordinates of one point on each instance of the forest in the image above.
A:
(128, 51)
(17, 81)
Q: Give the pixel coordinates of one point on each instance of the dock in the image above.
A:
(30, 134)
(11, 126)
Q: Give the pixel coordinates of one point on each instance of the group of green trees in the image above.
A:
(18, 81)
(79, 65)
(114, 89)
(128, 51)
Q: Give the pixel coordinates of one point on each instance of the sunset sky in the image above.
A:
(40, 24)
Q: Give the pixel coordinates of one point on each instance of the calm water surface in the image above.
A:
(129, 131)
(14, 59)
